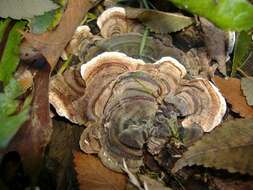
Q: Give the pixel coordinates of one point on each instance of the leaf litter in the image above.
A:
(234, 138)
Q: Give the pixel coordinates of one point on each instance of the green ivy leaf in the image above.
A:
(10, 125)
(10, 116)
(48, 20)
(10, 57)
(8, 106)
(40, 24)
(243, 47)
(13, 89)
(234, 15)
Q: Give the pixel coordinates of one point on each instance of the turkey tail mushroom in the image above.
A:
(98, 74)
(201, 102)
(64, 90)
(121, 100)
(123, 96)
(114, 21)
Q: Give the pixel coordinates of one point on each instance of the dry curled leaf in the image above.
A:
(231, 90)
(91, 174)
(158, 21)
(228, 147)
(51, 44)
(231, 184)
(247, 88)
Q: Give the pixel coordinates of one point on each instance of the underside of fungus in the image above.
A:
(122, 98)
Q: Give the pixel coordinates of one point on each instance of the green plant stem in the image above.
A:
(145, 3)
(143, 41)
(65, 65)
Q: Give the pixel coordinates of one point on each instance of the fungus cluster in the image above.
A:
(114, 21)
(127, 103)
(120, 98)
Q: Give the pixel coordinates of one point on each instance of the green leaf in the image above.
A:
(3, 24)
(234, 15)
(10, 125)
(247, 88)
(48, 20)
(40, 24)
(243, 47)
(10, 57)
(23, 9)
(228, 147)
(13, 89)
(8, 106)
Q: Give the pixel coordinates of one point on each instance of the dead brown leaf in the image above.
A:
(153, 184)
(91, 174)
(33, 136)
(51, 44)
(232, 184)
(231, 90)
(227, 147)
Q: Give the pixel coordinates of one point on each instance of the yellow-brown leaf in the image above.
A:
(92, 175)
(231, 90)
(51, 44)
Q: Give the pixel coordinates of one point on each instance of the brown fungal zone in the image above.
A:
(65, 91)
(114, 22)
(122, 98)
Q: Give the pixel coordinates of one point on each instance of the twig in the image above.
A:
(242, 72)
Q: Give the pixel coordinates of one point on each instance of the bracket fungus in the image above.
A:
(114, 21)
(122, 98)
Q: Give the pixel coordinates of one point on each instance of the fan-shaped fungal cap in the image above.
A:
(82, 33)
(113, 21)
(64, 90)
(98, 74)
(130, 44)
(201, 102)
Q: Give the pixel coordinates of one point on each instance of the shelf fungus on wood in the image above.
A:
(123, 100)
